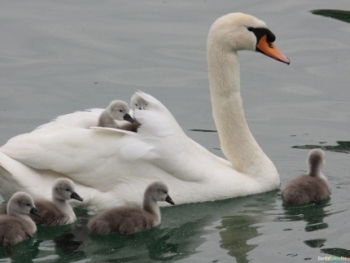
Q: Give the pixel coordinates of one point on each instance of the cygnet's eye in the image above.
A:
(67, 189)
(136, 104)
(120, 110)
(28, 204)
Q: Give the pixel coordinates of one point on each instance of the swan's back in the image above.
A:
(111, 165)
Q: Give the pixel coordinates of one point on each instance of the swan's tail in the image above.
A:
(315, 161)
(15, 176)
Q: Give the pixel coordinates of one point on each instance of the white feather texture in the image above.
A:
(113, 167)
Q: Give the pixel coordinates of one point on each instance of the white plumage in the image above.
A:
(112, 167)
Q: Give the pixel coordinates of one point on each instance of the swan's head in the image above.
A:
(119, 110)
(21, 203)
(138, 102)
(158, 191)
(64, 189)
(238, 31)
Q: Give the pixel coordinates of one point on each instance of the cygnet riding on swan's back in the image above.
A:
(137, 103)
(128, 220)
(113, 116)
(17, 226)
(310, 187)
(111, 167)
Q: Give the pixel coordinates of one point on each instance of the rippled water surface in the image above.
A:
(57, 57)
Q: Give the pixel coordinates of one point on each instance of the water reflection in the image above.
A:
(238, 230)
(342, 146)
(21, 252)
(338, 252)
(201, 130)
(315, 243)
(182, 232)
(312, 213)
(341, 15)
(228, 227)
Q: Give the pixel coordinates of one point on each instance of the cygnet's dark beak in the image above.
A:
(34, 212)
(75, 196)
(169, 200)
(128, 118)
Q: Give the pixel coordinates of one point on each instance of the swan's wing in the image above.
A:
(16, 176)
(112, 130)
(110, 156)
(110, 166)
(156, 119)
(78, 119)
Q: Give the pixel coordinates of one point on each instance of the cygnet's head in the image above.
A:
(137, 102)
(119, 110)
(21, 203)
(158, 191)
(238, 31)
(64, 189)
(315, 161)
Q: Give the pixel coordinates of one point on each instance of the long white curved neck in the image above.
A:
(237, 143)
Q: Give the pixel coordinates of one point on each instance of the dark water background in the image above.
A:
(57, 57)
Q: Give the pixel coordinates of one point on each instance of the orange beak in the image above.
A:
(269, 49)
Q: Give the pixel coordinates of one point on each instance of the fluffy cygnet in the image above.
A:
(17, 226)
(128, 220)
(116, 112)
(137, 103)
(311, 187)
(58, 211)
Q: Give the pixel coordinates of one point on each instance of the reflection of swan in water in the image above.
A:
(108, 166)
(313, 214)
(179, 237)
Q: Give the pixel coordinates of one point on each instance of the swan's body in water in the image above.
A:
(127, 220)
(111, 167)
(115, 115)
(310, 187)
(17, 226)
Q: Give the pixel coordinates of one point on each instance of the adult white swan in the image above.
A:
(113, 167)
